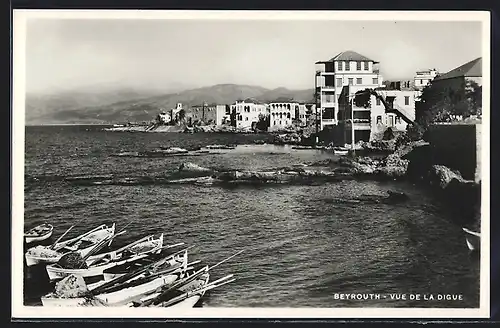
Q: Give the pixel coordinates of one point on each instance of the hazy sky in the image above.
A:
(159, 53)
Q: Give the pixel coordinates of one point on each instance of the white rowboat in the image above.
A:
(83, 244)
(39, 233)
(98, 263)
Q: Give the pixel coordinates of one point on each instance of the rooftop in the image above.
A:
(349, 55)
(473, 68)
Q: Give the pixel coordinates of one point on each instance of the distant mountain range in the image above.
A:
(129, 105)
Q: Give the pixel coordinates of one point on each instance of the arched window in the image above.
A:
(288, 115)
(281, 116)
(288, 106)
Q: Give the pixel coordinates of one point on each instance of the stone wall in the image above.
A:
(456, 146)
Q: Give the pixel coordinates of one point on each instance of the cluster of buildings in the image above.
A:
(392, 105)
(242, 114)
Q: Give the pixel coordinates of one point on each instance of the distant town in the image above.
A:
(392, 105)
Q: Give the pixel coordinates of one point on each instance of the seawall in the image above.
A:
(457, 146)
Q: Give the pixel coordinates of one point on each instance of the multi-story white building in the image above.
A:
(301, 115)
(370, 123)
(282, 114)
(248, 112)
(348, 68)
(424, 77)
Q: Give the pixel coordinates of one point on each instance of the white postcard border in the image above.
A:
(19, 311)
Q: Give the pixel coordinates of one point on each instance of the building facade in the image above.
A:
(458, 77)
(207, 114)
(248, 112)
(346, 69)
(370, 123)
(424, 77)
(282, 114)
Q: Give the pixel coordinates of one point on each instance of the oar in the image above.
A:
(74, 240)
(174, 286)
(192, 277)
(172, 246)
(216, 265)
(99, 246)
(62, 236)
(186, 295)
(128, 276)
(132, 244)
(141, 280)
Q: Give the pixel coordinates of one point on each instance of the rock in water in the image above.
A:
(191, 167)
(71, 286)
(442, 175)
(396, 196)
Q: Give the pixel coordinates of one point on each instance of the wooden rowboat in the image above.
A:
(82, 244)
(98, 263)
(39, 233)
(122, 291)
(473, 239)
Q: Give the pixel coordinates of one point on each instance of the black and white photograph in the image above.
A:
(250, 164)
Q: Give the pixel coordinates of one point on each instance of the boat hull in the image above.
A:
(117, 298)
(57, 273)
(30, 240)
(473, 242)
(472, 239)
(32, 260)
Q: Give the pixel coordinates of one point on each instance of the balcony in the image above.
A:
(328, 88)
(327, 104)
(328, 122)
(359, 124)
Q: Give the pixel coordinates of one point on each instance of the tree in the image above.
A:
(182, 115)
(438, 103)
(232, 117)
(263, 123)
(362, 98)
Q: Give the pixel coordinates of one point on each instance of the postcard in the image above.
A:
(250, 164)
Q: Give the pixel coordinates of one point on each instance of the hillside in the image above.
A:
(141, 108)
(40, 108)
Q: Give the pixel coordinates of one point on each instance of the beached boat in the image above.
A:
(123, 269)
(83, 244)
(186, 291)
(39, 233)
(124, 289)
(96, 264)
(473, 239)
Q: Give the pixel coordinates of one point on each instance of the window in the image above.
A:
(378, 102)
(351, 81)
(421, 81)
(379, 119)
(347, 66)
(339, 82)
(359, 80)
(367, 66)
(358, 66)
(407, 100)
(274, 123)
(398, 120)
(339, 65)
(375, 80)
